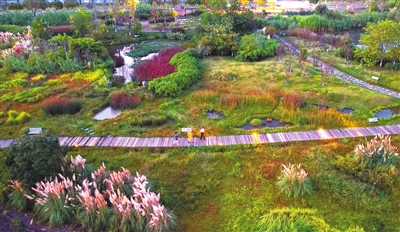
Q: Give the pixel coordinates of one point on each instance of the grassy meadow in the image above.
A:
(388, 78)
(230, 188)
(222, 188)
(238, 90)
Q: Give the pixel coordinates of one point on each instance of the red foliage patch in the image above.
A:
(158, 66)
(292, 101)
(121, 100)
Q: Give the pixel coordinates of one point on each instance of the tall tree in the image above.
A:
(380, 42)
(32, 158)
(34, 5)
(218, 5)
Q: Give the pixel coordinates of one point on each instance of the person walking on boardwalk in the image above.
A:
(176, 137)
(202, 130)
(190, 138)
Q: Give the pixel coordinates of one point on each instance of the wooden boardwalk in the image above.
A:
(279, 137)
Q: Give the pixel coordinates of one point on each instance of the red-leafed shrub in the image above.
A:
(123, 100)
(158, 66)
(61, 106)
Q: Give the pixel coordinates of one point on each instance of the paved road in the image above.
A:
(340, 74)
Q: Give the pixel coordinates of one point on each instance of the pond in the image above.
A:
(271, 123)
(341, 110)
(107, 113)
(212, 114)
(387, 112)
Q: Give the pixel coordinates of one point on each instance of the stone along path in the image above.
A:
(340, 74)
(279, 137)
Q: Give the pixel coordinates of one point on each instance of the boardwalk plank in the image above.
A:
(223, 140)
(93, 141)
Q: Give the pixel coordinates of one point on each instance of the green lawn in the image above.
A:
(230, 188)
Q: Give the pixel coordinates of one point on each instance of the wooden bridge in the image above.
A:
(254, 138)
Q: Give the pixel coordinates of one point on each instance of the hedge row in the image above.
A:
(173, 84)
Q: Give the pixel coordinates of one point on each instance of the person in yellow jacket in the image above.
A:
(190, 138)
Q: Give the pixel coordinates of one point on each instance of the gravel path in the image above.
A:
(340, 74)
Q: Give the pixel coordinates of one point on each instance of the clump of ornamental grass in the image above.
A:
(292, 101)
(17, 197)
(54, 201)
(294, 181)
(377, 152)
(104, 201)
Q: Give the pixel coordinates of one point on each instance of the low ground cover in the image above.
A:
(388, 77)
(216, 189)
(238, 90)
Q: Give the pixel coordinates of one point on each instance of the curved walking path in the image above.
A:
(340, 74)
(279, 137)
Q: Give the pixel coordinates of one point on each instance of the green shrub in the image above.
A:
(20, 18)
(256, 47)
(302, 120)
(15, 118)
(57, 5)
(2, 114)
(173, 84)
(175, 36)
(15, 29)
(24, 95)
(256, 122)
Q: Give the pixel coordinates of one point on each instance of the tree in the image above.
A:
(218, 5)
(380, 42)
(256, 47)
(32, 158)
(394, 3)
(82, 20)
(69, 4)
(33, 5)
(41, 29)
(313, 1)
(321, 9)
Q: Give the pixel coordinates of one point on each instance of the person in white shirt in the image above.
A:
(202, 130)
